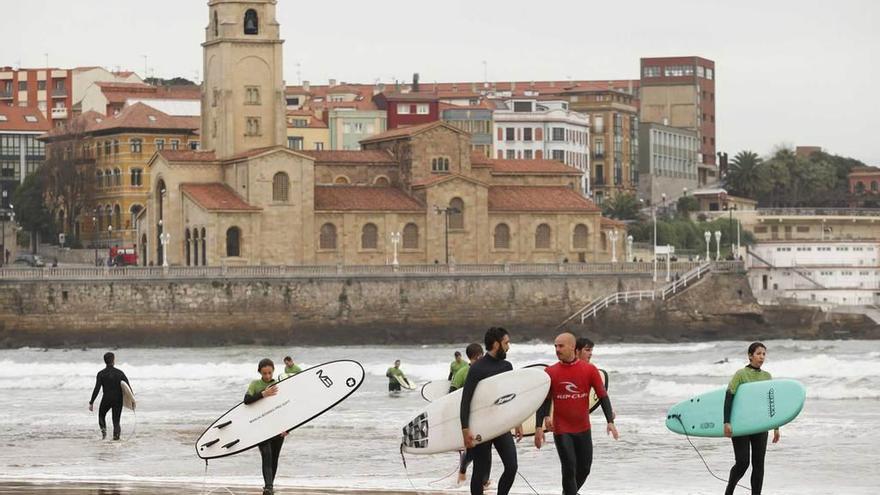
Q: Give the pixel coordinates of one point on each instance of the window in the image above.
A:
(558, 134)
(502, 236)
(295, 142)
(510, 134)
(137, 177)
(253, 126)
(251, 22)
(99, 179)
(369, 236)
(193, 145)
(542, 236)
(511, 154)
(527, 134)
(303, 123)
(41, 85)
(175, 144)
(117, 177)
(651, 71)
(456, 214)
(280, 186)
(411, 236)
(319, 146)
(137, 146)
(440, 164)
(710, 75)
(558, 155)
(233, 242)
(873, 186)
(252, 95)
(382, 181)
(216, 25)
(527, 154)
(22, 85)
(327, 238)
(422, 109)
(581, 236)
(403, 109)
(115, 146)
(160, 144)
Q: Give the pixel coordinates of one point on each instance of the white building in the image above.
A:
(84, 77)
(820, 273)
(536, 129)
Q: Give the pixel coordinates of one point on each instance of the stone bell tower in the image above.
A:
(243, 105)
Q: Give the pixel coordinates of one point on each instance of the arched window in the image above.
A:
(117, 217)
(99, 219)
(581, 236)
(603, 237)
(196, 246)
(860, 187)
(873, 186)
(502, 236)
(137, 177)
(99, 179)
(542, 236)
(134, 210)
(251, 22)
(216, 25)
(109, 212)
(280, 187)
(369, 236)
(187, 244)
(456, 214)
(341, 180)
(382, 181)
(117, 177)
(204, 248)
(233, 242)
(327, 239)
(411, 236)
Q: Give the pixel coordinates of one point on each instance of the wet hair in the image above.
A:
(494, 334)
(582, 343)
(109, 358)
(473, 350)
(263, 363)
(755, 346)
(457, 354)
(287, 358)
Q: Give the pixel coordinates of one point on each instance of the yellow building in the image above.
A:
(305, 131)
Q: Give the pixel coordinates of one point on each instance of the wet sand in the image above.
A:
(27, 488)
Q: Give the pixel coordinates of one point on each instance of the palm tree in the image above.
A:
(743, 177)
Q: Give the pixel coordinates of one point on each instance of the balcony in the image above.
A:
(5, 94)
(59, 92)
(59, 113)
(599, 181)
(599, 155)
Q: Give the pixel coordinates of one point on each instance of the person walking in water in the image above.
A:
(456, 365)
(109, 379)
(497, 342)
(474, 353)
(392, 374)
(290, 368)
(269, 449)
(757, 442)
(570, 382)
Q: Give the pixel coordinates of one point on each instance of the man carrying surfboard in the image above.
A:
(571, 380)
(757, 442)
(474, 353)
(290, 368)
(497, 341)
(456, 365)
(109, 379)
(392, 374)
(271, 448)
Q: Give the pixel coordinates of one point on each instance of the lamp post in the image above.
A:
(717, 245)
(629, 247)
(730, 210)
(668, 261)
(446, 211)
(109, 236)
(395, 240)
(164, 238)
(708, 236)
(612, 236)
(4, 214)
(95, 236)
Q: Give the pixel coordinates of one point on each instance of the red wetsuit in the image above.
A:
(570, 385)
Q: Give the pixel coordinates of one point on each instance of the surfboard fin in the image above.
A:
(230, 444)
(212, 442)
(223, 425)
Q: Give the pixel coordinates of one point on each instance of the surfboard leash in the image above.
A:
(405, 470)
(684, 429)
(205, 484)
(527, 482)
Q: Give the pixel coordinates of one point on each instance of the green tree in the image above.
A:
(743, 176)
(622, 207)
(31, 211)
(686, 205)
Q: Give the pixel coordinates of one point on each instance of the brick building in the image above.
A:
(48, 90)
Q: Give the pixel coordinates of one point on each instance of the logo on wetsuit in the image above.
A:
(573, 392)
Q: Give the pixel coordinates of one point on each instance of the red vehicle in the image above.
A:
(120, 256)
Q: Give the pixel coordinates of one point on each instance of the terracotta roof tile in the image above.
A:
(143, 117)
(359, 157)
(187, 155)
(410, 131)
(364, 198)
(525, 167)
(538, 198)
(254, 152)
(82, 123)
(610, 222)
(23, 119)
(480, 159)
(216, 196)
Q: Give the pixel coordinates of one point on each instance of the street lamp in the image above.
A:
(629, 247)
(395, 240)
(109, 235)
(446, 211)
(95, 235)
(730, 210)
(708, 236)
(165, 238)
(10, 213)
(612, 236)
(717, 245)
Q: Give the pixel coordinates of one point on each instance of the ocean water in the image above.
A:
(47, 432)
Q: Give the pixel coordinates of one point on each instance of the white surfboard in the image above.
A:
(405, 382)
(529, 426)
(435, 389)
(500, 402)
(127, 396)
(300, 399)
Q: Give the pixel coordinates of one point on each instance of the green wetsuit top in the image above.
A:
(255, 389)
(394, 372)
(459, 377)
(744, 375)
(292, 369)
(455, 366)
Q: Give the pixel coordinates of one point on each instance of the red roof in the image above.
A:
(364, 198)
(610, 222)
(256, 151)
(520, 167)
(480, 159)
(358, 157)
(538, 198)
(216, 196)
(24, 119)
(142, 116)
(188, 155)
(410, 131)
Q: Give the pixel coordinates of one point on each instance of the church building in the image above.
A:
(244, 198)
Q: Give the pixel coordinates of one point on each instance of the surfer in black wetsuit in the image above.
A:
(109, 379)
(269, 449)
(497, 343)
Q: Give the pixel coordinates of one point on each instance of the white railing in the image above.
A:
(616, 298)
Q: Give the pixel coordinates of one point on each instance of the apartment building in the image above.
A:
(21, 154)
(49, 90)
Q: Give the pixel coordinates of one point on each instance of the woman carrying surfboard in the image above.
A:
(757, 442)
(271, 448)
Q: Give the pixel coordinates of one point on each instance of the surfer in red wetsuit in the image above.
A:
(570, 382)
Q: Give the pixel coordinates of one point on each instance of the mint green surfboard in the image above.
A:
(757, 407)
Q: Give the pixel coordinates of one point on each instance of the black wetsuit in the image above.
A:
(482, 454)
(109, 379)
(754, 446)
(269, 449)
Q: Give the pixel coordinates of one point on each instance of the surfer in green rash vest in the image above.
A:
(456, 365)
(757, 442)
(392, 374)
(269, 449)
(290, 368)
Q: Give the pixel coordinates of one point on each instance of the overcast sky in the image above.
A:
(788, 71)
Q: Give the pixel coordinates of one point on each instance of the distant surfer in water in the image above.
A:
(269, 449)
(110, 379)
(290, 368)
(474, 353)
(758, 441)
(497, 343)
(456, 365)
(392, 374)
(570, 382)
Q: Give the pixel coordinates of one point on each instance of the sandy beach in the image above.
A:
(172, 489)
